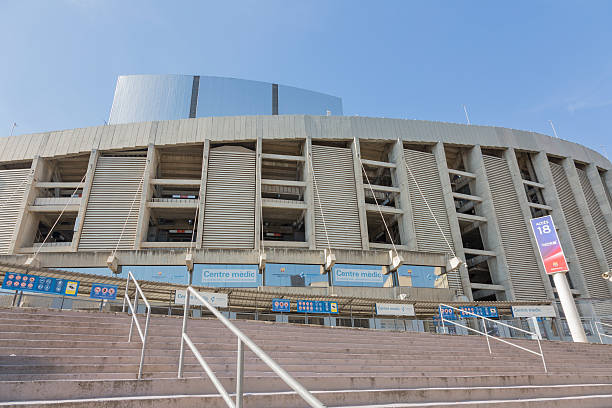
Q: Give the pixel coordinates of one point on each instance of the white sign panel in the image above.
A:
(533, 311)
(358, 275)
(229, 275)
(215, 299)
(394, 309)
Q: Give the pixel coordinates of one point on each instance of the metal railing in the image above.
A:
(242, 341)
(487, 335)
(134, 310)
(602, 332)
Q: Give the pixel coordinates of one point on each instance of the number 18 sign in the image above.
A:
(549, 245)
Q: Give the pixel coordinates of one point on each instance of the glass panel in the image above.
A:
(361, 275)
(233, 97)
(421, 276)
(295, 275)
(293, 101)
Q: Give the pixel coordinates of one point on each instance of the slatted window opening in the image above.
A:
(580, 236)
(13, 184)
(229, 209)
(114, 203)
(601, 225)
(335, 181)
(515, 234)
(424, 168)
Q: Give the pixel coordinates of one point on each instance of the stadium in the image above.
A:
(282, 192)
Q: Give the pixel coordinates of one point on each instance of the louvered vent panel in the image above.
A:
(580, 237)
(335, 178)
(13, 184)
(515, 234)
(229, 213)
(429, 237)
(116, 188)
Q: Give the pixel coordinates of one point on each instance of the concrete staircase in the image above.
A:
(80, 359)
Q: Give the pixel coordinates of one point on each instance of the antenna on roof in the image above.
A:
(13, 128)
(553, 128)
(466, 115)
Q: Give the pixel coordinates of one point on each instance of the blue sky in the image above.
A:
(513, 64)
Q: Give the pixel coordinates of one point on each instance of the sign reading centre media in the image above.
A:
(549, 245)
(394, 309)
(533, 311)
(230, 276)
(215, 299)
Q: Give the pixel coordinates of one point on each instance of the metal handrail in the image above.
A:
(134, 310)
(486, 332)
(599, 333)
(242, 340)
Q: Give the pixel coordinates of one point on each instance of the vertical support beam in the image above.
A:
(600, 194)
(551, 197)
(144, 213)
(489, 231)
(447, 192)
(258, 213)
(407, 230)
(608, 181)
(517, 180)
(24, 225)
(572, 176)
(363, 220)
(89, 176)
(203, 177)
(309, 196)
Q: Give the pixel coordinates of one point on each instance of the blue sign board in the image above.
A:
(103, 291)
(281, 305)
(447, 313)
(41, 284)
(317, 306)
(484, 311)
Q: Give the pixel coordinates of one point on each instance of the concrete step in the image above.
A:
(347, 397)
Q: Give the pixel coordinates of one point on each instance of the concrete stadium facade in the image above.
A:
(227, 189)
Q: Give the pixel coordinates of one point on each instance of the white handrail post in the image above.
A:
(144, 343)
(536, 327)
(183, 331)
(131, 321)
(125, 295)
(598, 333)
(239, 373)
(441, 319)
(542, 355)
(486, 332)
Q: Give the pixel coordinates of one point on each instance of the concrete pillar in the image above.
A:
(600, 194)
(489, 231)
(144, 213)
(572, 175)
(541, 166)
(608, 182)
(258, 214)
(569, 308)
(406, 226)
(447, 192)
(25, 224)
(309, 196)
(358, 172)
(89, 176)
(200, 226)
(517, 180)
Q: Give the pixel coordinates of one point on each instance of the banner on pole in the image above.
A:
(548, 243)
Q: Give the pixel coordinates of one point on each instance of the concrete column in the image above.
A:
(144, 213)
(544, 174)
(517, 180)
(489, 231)
(258, 214)
(407, 230)
(363, 220)
(200, 226)
(608, 181)
(600, 194)
(447, 192)
(309, 196)
(89, 176)
(574, 181)
(25, 224)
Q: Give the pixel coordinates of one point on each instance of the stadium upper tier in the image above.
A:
(141, 98)
(294, 185)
